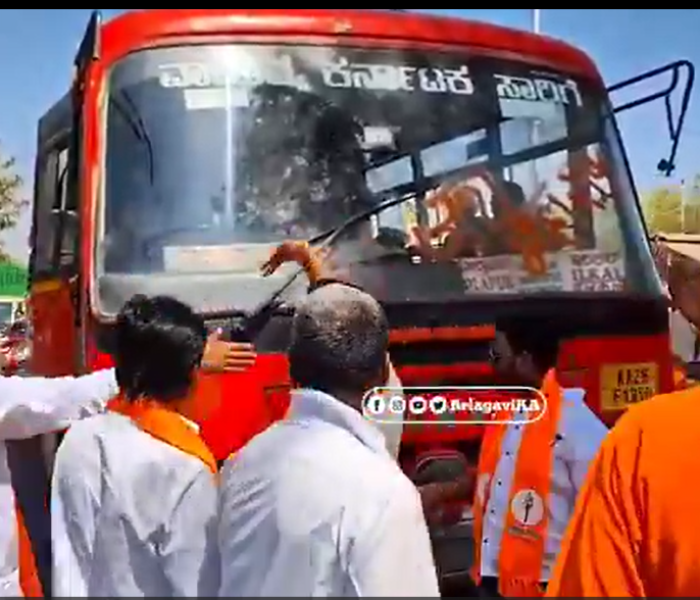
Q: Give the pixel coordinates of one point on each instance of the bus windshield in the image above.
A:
(512, 175)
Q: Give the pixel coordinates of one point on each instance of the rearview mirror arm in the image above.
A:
(675, 126)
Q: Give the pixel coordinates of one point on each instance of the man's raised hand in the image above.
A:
(231, 357)
(289, 251)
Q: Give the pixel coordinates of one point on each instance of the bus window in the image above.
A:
(6, 312)
(45, 223)
(387, 177)
(67, 208)
(390, 175)
(455, 154)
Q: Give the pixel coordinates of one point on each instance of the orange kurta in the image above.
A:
(634, 532)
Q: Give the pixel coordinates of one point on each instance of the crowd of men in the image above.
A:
(317, 504)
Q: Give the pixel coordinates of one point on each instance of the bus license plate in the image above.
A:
(623, 385)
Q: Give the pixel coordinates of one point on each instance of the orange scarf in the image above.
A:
(165, 425)
(680, 378)
(525, 528)
(28, 575)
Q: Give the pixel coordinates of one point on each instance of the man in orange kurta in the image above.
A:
(634, 532)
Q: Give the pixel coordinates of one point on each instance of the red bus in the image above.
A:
(193, 141)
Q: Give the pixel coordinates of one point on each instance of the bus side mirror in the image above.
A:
(89, 48)
(675, 123)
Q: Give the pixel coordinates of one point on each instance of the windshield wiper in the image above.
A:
(128, 110)
(259, 317)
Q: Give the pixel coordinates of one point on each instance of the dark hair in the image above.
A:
(537, 337)
(515, 193)
(159, 344)
(513, 196)
(340, 337)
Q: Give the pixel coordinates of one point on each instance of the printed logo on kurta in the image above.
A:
(527, 508)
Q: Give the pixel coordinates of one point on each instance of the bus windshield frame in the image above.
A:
(514, 176)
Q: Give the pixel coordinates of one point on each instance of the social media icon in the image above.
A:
(375, 404)
(438, 405)
(418, 405)
(397, 405)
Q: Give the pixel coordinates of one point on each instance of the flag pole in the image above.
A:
(535, 131)
(536, 19)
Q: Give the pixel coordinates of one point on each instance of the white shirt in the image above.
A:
(31, 406)
(580, 436)
(683, 336)
(131, 516)
(392, 425)
(316, 506)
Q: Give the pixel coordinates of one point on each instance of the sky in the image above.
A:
(37, 47)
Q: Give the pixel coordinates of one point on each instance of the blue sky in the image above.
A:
(37, 46)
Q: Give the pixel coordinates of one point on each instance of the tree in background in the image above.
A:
(673, 208)
(11, 202)
(691, 207)
(662, 209)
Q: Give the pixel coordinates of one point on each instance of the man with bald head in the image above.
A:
(316, 505)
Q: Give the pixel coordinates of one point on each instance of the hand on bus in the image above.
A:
(229, 357)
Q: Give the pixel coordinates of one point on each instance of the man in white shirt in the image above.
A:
(31, 406)
(316, 505)
(134, 498)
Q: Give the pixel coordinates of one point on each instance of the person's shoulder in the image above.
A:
(368, 463)
(574, 395)
(577, 414)
(322, 456)
(649, 450)
(354, 480)
(80, 449)
(580, 428)
(84, 431)
(312, 442)
(681, 407)
(372, 476)
(85, 437)
(648, 426)
(123, 445)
